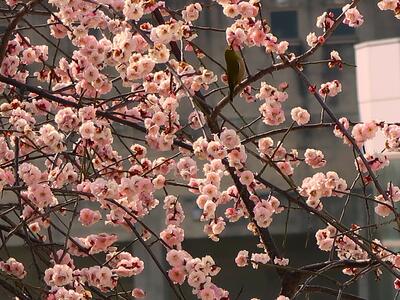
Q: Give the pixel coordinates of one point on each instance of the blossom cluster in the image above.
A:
(272, 111)
(13, 267)
(322, 185)
(198, 273)
(392, 5)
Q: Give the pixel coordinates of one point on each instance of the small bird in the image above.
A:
(234, 69)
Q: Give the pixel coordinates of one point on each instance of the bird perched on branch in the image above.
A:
(234, 69)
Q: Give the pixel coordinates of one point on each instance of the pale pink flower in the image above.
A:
(312, 39)
(300, 116)
(206, 294)
(331, 88)
(196, 278)
(241, 258)
(246, 177)
(259, 258)
(177, 275)
(388, 4)
(281, 261)
(285, 167)
(196, 119)
(138, 293)
(353, 18)
(89, 217)
(59, 275)
(13, 267)
(229, 138)
(314, 158)
(191, 12)
(172, 235)
(324, 239)
(231, 10)
(325, 21)
(263, 212)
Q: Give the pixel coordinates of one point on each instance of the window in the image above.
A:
(282, 2)
(284, 24)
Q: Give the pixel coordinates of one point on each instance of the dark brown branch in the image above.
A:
(329, 291)
(13, 24)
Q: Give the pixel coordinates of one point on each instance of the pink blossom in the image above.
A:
(100, 242)
(263, 212)
(89, 217)
(177, 275)
(314, 158)
(13, 267)
(388, 4)
(172, 235)
(229, 138)
(325, 238)
(59, 275)
(206, 294)
(330, 89)
(196, 278)
(285, 167)
(231, 10)
(300, 116)
(191, 12)
(246, 178)
(241, 258)
(259, 258)
(384, 208)
(312, 39)
(196, 119)
(325, 21)
(138, 293)
(281, 261)
(353, 18)
(396, 284)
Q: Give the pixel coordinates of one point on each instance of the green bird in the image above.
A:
(234, 69)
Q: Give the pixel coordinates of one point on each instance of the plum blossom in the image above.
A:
(259, 258)
(229, 138)
(300, 116)
(330, 89)
(13, 267)
(322, 185)
(138, 293)
(191, 12)
(124, 264)
(376, 161)
(314, 158)
(241, 258)
(173, 236)
(387, 4)
(362, 132)
(59, 275)
(325, 21)
(353, 18)
(89, 217)
(312, 39)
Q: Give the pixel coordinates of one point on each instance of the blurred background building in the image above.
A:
(290, 20)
